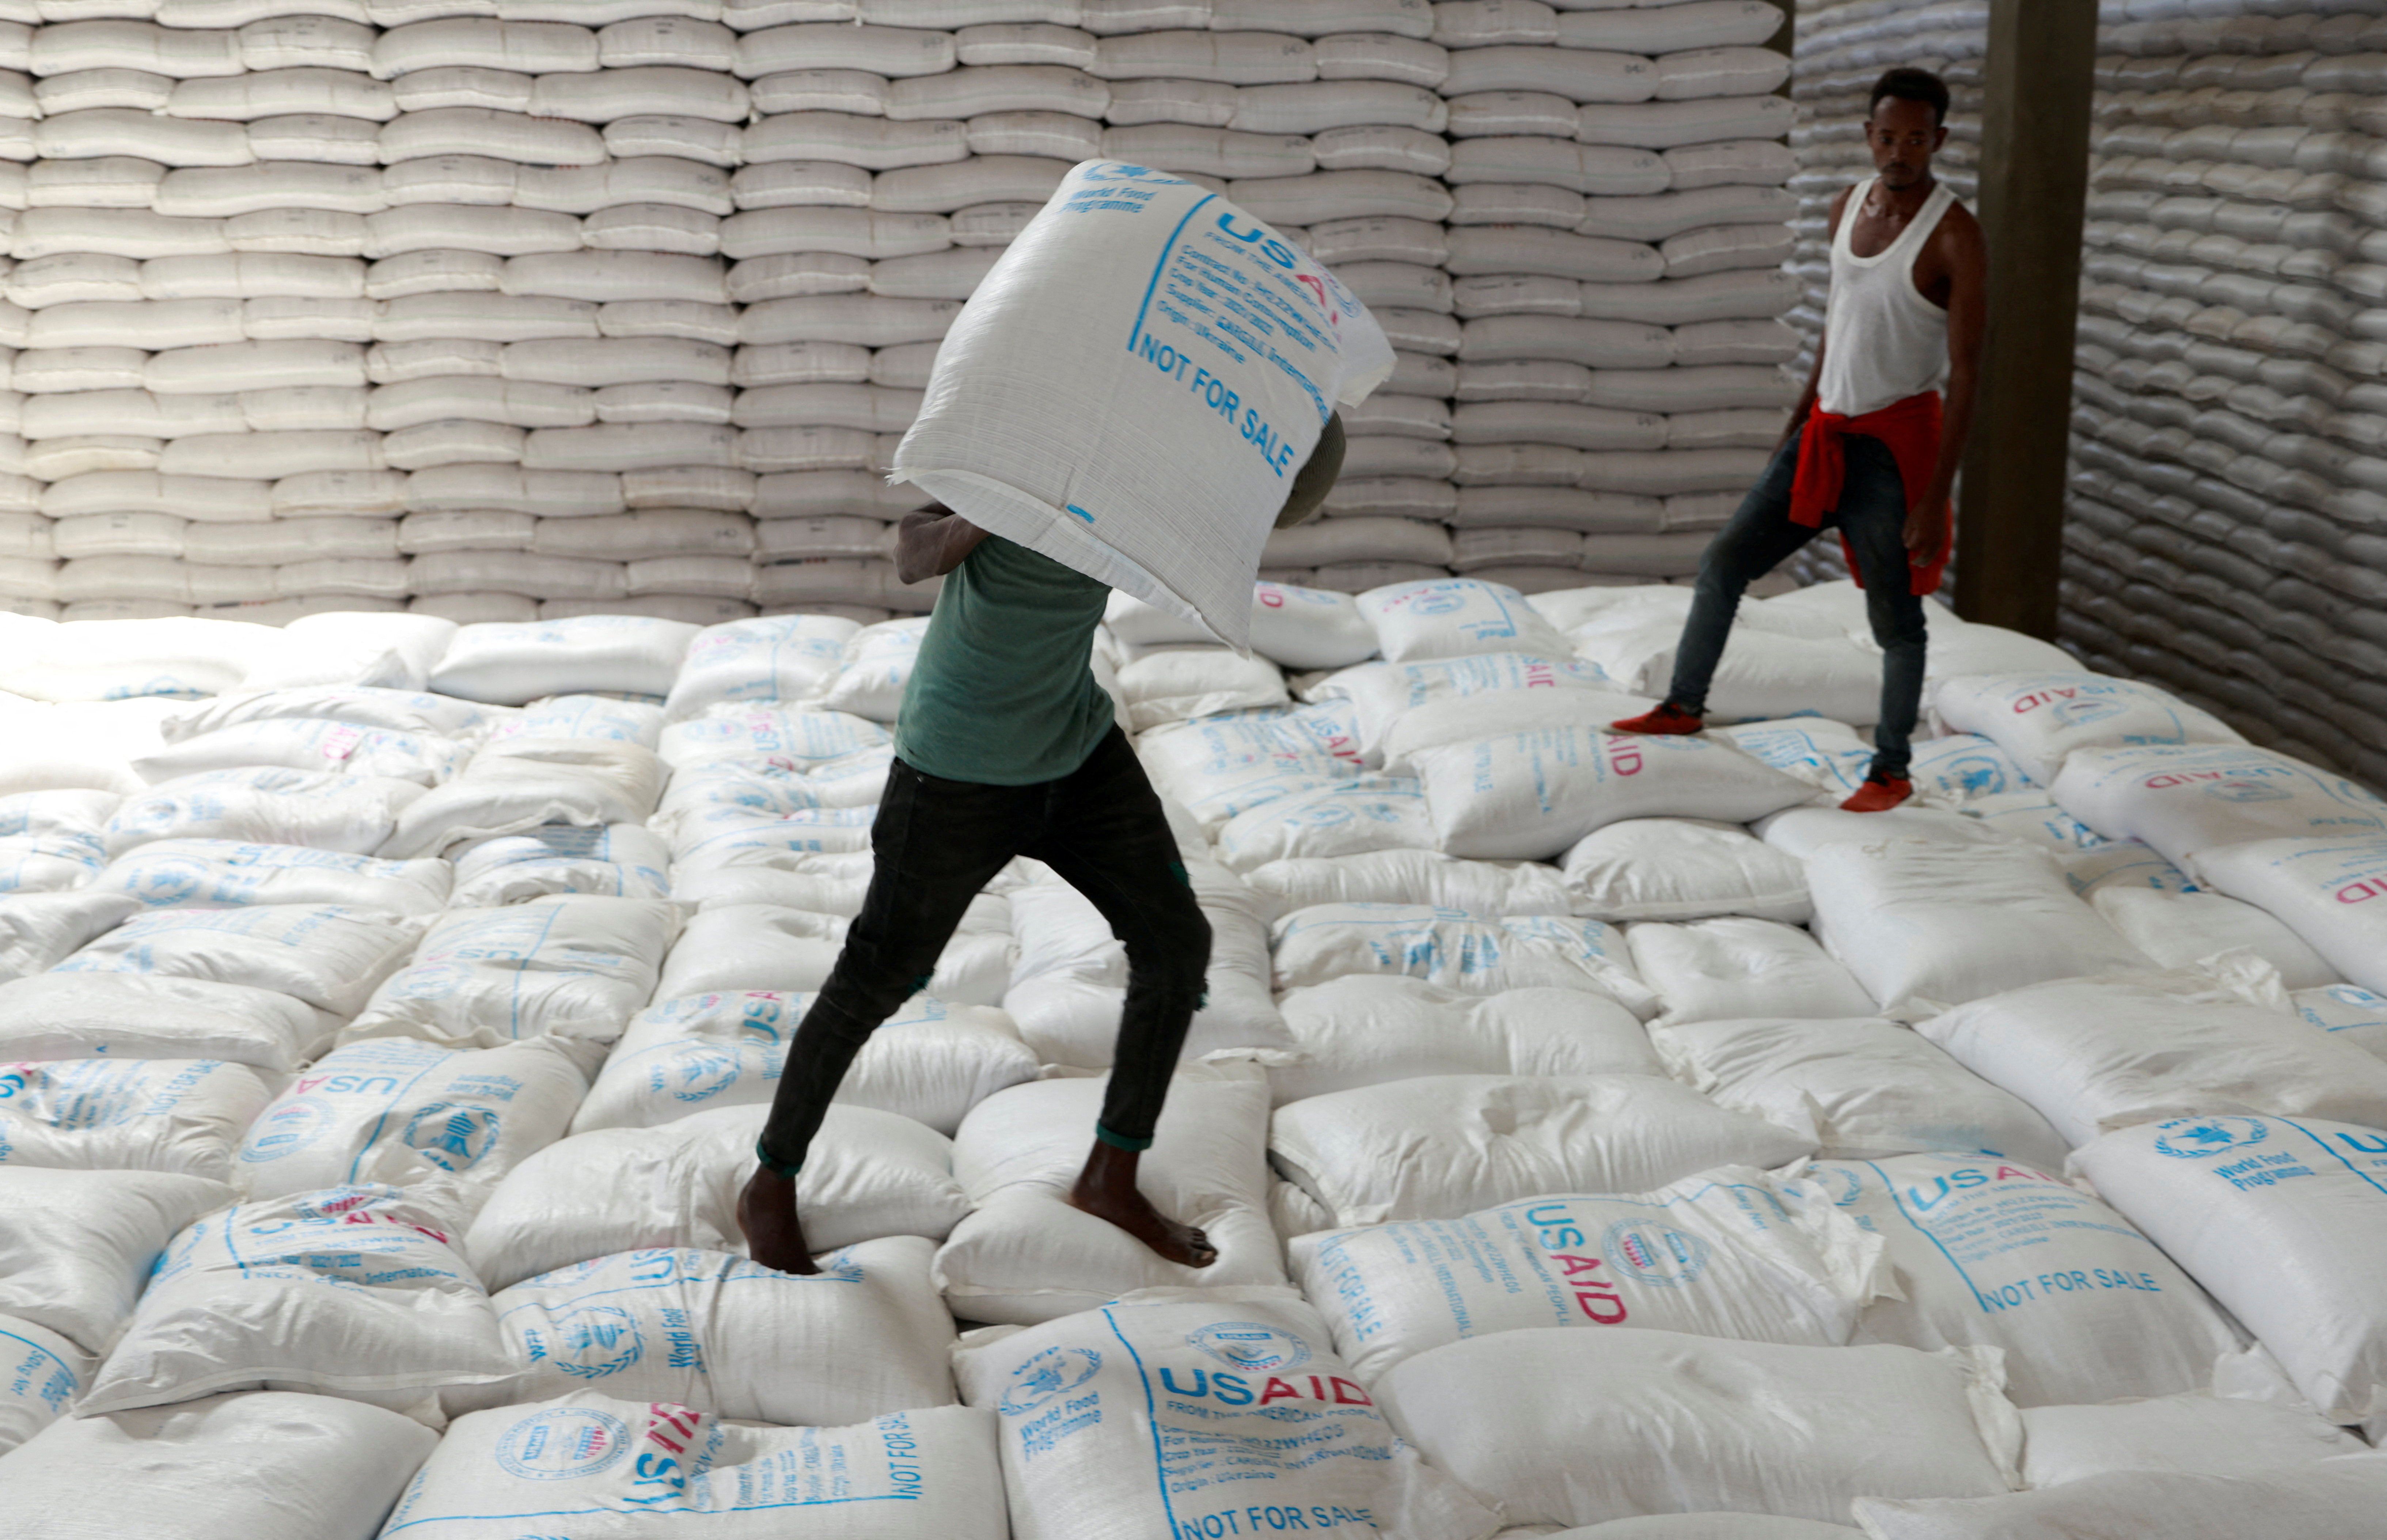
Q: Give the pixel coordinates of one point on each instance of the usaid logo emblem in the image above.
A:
(1055, 1371)
(1654, 1253)
(2236, 791)
(1249, 1344)
(285, 1131)
(2188, 1138)
(453, 1138)
(561, 1445)
(590, 1343)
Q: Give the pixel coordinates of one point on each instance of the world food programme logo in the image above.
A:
(561, 1445)
(702, 1072)
(1654, 1253)
(2190, 1136)
(1055, 1371)
(453, 1138)
(591, 1341)
(1249, 1344)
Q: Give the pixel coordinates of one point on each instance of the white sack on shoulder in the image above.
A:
(1696, 1424)
(869, 1174)
(1458, 950)
(1993, 1253)
(1143, 415)
(865, 1336)
(129, 1115)
(1440, 1146)
(932, 1061)
(1025, 1255)
(352, 1290)
(1367, 1028)
(1717, 1255)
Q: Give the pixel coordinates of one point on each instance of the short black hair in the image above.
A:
(1911, 85)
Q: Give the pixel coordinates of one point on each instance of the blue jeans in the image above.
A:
(1872, 516)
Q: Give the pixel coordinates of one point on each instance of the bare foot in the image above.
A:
(1106, 1190)
(766, 1217)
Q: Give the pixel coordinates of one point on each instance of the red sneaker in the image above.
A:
(1877, 795)
(1669, 719)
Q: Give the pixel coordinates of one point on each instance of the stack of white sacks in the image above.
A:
(1594, 1130)
(500, 311)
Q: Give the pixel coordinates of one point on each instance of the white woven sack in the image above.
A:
(1151, 424)
(1383, 694)
(1459, 950)
(2040, 718)
(865, 1336)
(308, 743)
(1308, 627)
(1457, 617)
(110, 660)
(2181, 929)
(1716, 1255)
(240, 1301)
(1099, 1408)
(2190, 797)
(311, 1468)
(608, 860)
(329, 957)
(396, 710)
(1436, 1147)
(869, 1174)
(2278, 1218)
(877, 665)
(512, 664)
(1177, 683)
(1412, 875)
(2099, 1053)
(616, 1470)
(2320, 887)
(765, 661)
(1920, 921)
(44, 1374)
(788, 737)
(1734, 968)
(2349, 1011)
(77, 1245)
(767, 947)
(1993, 1253)
(184, 873)
(1697, 1424)
(1350, 817)
(2333, 1497)
(397, 651)
(1534, 794)
(1683, 868)
(1368, 1030)
(931, 1062)
(1024, 1255)
(1871, 1087)
(40, 930)
(134, 1016)
(2200, 1432)
(397, 1112)
(129, 1115)
(523, 783)
(575, 967)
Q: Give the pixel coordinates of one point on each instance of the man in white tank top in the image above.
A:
(1870, 449)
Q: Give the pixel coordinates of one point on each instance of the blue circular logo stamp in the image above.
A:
(285, 1131)
(1249, 1344)
(1654, 1253)
(1053, 1372)
(701, 1071)
(590, 1343)
(563, 1444)
(2188, 1138)
(2248, 791)
(453, 1138)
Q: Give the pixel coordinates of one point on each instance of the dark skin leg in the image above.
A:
(1106, 1189)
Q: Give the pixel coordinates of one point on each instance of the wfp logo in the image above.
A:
(590, 1343)
(1654, 1253)
(285, 1130)
(703, 1071)
(2188, 1138)
(453, 1138)
(1054, 1371)
(1249, 1344)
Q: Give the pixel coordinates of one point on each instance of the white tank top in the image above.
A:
(1882, 341)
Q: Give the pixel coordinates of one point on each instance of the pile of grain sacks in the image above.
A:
(1594, 1130)
(532, 310)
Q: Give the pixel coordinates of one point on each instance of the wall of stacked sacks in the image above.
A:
(2229, 417)
(505, 308)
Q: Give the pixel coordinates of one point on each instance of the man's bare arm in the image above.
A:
(932, 543)
(1968, 256)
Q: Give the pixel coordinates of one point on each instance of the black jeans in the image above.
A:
(1872, 516)
(938, 842)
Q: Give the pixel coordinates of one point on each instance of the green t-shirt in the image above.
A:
(1003, 690)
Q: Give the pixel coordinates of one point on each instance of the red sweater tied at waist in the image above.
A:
(1911, 430)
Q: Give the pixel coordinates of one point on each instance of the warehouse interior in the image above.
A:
(455, 458)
